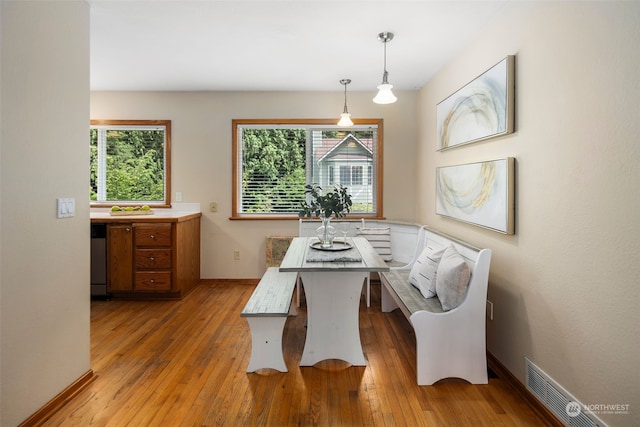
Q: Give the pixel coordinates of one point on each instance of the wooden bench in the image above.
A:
(267, 311)
(451, 343)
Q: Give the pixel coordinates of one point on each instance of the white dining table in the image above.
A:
(332, 282)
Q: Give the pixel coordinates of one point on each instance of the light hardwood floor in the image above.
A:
(182, 363)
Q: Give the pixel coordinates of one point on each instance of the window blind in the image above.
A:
(276, 161)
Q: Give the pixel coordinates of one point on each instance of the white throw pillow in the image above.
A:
(452, 279)
(424, 271)
(380, 239)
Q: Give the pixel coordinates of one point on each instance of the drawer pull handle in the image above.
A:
(152, 236)
(152, 281)
(152, 258)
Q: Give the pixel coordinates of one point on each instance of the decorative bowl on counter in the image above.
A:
(131, 210)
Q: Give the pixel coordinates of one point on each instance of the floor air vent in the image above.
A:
(557, 399)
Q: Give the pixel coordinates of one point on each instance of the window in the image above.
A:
(274, 159)
(130, 162)
(356, 175)
(351, 175)
(345, 175)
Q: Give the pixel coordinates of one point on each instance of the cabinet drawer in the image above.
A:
(156, 235)
(153, 281)
(153, 258)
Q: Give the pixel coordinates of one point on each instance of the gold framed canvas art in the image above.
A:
(482, 109)
(480, 193)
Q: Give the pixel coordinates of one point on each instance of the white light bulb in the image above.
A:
(385, 96)
(345, 120)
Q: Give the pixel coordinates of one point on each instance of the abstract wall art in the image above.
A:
(478, 193)
(482, 109)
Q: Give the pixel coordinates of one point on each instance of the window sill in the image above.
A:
(350, 217)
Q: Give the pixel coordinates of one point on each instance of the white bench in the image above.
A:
(451, 343)
(407, 241)
(267, 311)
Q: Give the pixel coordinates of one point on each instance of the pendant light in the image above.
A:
(345, 117)
(385, 96)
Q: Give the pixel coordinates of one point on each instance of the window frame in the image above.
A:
(236, 178)
(166, 203)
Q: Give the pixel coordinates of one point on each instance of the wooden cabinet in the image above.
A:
(153, 253)
(153, 260)
(119, 257)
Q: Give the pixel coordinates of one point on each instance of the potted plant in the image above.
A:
(325, 205)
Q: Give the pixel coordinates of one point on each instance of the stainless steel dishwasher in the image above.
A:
(99, 260)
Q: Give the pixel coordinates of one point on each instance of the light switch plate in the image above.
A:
(66, 207)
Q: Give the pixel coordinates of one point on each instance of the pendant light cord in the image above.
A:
(385, 37)
(345, 82)
(385, 57)
(345, 99)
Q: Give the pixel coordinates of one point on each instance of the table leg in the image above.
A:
(333, 329)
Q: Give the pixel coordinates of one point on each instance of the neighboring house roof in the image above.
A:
(335, 148)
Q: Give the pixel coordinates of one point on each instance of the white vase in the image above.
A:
(326, 232)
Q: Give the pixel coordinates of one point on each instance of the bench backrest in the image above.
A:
(308, 227)
(406, 240)
(477, 259)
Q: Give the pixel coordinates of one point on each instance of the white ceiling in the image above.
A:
(276, 45)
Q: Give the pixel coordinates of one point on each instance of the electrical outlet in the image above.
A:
(213, 206)
(489, 310)
(236, 255)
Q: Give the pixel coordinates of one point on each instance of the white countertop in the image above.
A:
(177, 212)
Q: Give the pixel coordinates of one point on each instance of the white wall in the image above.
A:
(565, 287)
(201, 157)
(44, 269)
